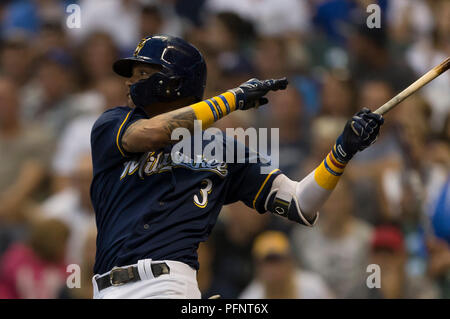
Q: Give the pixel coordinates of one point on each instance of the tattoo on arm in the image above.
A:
(135, 138)
(183, 117)
(128, 133)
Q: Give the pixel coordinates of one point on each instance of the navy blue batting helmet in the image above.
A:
(183, 70)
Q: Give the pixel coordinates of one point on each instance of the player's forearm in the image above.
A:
(155, 133)
(301, 201)
(207, 111)
(359, 132)
(316, 187)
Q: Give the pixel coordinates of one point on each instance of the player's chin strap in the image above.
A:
(282, 201)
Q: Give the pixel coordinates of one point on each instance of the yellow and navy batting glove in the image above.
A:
(247, 95)
(251, 93)
(360, 132)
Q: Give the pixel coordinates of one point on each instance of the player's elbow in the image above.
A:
(310, 216)
(145, 138)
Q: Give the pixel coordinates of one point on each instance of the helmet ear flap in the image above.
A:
(168, 88)
(174, 87)
(159, 87)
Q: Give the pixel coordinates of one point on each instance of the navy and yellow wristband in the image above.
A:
(327, 174)
(212, 110)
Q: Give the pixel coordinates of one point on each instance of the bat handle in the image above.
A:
(389, 105)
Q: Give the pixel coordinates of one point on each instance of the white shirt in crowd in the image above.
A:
(308, 286)
(270, 17)
(74, 142)
(66, 206)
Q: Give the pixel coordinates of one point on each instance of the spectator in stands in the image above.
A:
(36, 269)
(51, 37)
(75, 140)
(85, 290)
(119, 18)
(323, 132)
(413, 190)
(96, 55)
(208, 284)
(25, 154)
(429, 51)
(337, 247)
(271, 18)
(371, 58)
(287, 113)
(271, 57)
(277, 276)
(439, 264)
(367, 167)
(49, 100)
(337, 96)
(73, 206)
(15, 59)
(232, 242)
(409, 21)
(228, 37)
(389, 253)
(151, 21)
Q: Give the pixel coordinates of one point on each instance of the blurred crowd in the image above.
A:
(391, 207)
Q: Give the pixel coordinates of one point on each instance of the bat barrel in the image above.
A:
(422, 81)
(444, 66)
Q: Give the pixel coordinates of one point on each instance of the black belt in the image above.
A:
(122, 275)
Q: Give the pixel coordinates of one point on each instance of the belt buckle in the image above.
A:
(111, 277)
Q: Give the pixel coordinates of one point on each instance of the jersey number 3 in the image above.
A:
(205, 190)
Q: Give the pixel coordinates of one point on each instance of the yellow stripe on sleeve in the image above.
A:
(262, 186)
(118, 134)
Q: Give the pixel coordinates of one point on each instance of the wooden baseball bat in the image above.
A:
(423, 80)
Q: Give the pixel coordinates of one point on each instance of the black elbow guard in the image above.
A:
(286, 205)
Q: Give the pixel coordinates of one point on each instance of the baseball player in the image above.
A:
(151, 212)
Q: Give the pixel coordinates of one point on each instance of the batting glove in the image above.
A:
(251, 93)
(360, 132)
